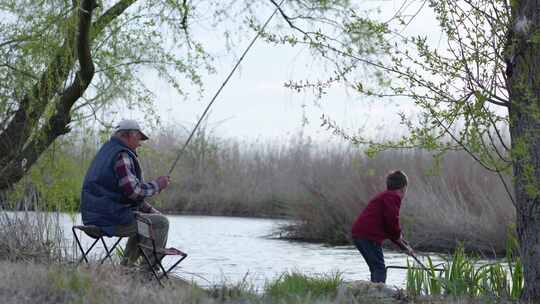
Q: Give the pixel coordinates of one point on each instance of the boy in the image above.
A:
(380, 221)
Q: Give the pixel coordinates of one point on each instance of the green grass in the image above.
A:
(292, 286)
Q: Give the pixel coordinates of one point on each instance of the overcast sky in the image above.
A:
(256, 105)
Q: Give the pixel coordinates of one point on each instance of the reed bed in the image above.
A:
(320, 187)
(323, 187)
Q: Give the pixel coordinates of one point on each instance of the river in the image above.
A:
(231, 249)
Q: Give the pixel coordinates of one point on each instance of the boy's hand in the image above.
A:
(405, 246)
(409, 250)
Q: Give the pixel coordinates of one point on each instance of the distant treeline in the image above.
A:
(321, 187)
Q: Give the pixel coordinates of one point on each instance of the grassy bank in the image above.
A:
(321, 187)
(39, 283)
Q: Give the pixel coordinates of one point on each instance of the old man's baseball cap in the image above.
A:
(130, 125)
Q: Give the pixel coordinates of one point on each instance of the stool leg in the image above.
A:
(173, 266)
(109, 251)
(151, 266)
(162, 269)
(79, 245)
(85, 253)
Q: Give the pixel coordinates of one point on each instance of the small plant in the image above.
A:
(240, 290)
(415, 280)
(423, 281)
(515, 267)
(460, 276)
(463, 276)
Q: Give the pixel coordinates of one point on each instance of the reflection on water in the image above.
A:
(229, 249)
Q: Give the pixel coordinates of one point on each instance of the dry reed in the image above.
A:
(323, 187)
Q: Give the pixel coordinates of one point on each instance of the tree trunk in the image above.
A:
(28, 134)
(523, 76)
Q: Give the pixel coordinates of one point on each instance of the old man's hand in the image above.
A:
(163, 182)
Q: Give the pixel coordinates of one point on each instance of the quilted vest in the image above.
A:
(102, 201)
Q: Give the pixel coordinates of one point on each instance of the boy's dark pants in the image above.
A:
(373, 254)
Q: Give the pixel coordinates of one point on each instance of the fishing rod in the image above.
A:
(418, 261)
(422, 266)
(411, 253)
(181, 151)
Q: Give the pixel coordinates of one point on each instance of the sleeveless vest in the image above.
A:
(102, 201)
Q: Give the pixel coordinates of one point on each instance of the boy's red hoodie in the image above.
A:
(380, 219)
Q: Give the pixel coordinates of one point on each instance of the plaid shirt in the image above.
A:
(132, 187)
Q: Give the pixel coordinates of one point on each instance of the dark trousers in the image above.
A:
(373, 254)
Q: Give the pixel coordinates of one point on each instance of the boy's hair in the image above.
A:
(396, 180)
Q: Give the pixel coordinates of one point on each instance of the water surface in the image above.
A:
(231, 249)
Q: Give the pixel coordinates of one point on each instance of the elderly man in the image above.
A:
(113, 189)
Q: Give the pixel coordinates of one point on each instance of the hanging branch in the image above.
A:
(57, 123)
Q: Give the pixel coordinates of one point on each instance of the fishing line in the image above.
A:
(192, 274)
(181, 151)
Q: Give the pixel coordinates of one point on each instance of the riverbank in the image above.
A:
(37, 267)
(37, 283)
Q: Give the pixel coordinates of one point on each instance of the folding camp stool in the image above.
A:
(97, 234)
(146, 234)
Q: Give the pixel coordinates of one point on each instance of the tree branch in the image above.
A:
(104, 20)
(56, 125)
(27, 74)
